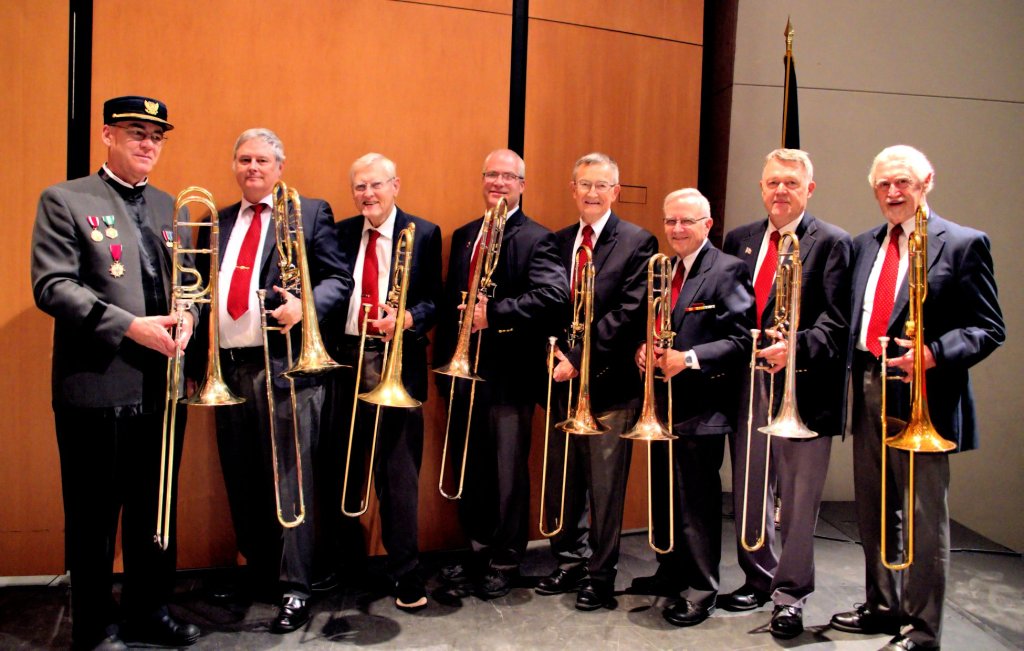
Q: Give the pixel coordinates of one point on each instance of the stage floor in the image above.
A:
(984, 608)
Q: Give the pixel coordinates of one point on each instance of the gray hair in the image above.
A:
(792, 156)
(596, 158)
(692, 194)
(913, 158)
(267, 136)
(520, 163)
(372, 158)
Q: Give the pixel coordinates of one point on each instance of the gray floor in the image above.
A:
(984, 609)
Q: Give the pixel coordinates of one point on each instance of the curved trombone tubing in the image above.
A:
(213, 391)
(548, 533)
(909, 559)
(492, 232)
(755, 334)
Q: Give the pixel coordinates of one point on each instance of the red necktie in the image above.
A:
(238, 293)
(484, 243)
(885, 292)
(766, 275)
(677, 284)
(588, 241)
(371, 291)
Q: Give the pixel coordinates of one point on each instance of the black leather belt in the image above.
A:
(351, 342)
(249, 355)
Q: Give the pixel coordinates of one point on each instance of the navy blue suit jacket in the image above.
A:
(421, 299)
(963, 323)
(825, 252)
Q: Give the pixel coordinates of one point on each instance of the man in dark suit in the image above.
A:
(962, 325)
(530, 290)
(712, 313)
(101, 266)
(598, 464)
(249, 261)
(375, 185)
(796, 466)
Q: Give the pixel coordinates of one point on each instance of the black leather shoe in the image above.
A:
(687, 613)
(160, 631)
(410, 594)
(456, 574)
(743, 598)
(864, 620)
(593, 595)
(493, 584)
(659, 584)
(293, 615)
(561, 580)
(787, 622)
(901, 643)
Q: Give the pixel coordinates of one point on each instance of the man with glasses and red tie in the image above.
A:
(369, 241)
(101, 262)
(598, 465)
(530, 292)
(278, 558)
(796, 466)
(962, 325)
(712, 313)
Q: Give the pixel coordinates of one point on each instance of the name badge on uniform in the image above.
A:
(94, 223)
(116, 269)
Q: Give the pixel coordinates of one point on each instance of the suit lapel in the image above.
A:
(605, 243)
(936, 240)
(227, 224)
(861, 272)
(692, 285)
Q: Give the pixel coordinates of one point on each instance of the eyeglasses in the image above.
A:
(507, 177)
(138, 134)
(791, 184)
(671, 222)
(902, 183)
(375, 186)
(600, 186)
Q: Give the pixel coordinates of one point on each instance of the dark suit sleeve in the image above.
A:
(427, 270)
(57, 285)
(825, 339)
(332, 283)
(734, 321)
(616, 330)
(976, 306)
(547, 288)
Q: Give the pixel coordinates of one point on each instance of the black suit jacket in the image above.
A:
(331, 281)
(621, 253)
(530, 292)
(94, 364)
(421, 299)
(825, 252)
(713, 317)
(963, 323)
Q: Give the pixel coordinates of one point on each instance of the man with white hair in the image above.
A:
(962, 325)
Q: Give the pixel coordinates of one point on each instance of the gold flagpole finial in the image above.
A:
(789, 37)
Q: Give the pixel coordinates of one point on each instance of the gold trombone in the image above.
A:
(649, 426)
(389, 392)
(213, 391)
(787, 423)
(918, 434)
(491, 232)
(579, 418)
(313, 359)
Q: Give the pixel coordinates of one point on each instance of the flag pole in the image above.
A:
(789, 66)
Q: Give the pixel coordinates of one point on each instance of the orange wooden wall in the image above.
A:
(425, 83)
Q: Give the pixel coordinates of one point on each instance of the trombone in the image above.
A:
(390, 392)
(918, 434)
(579, 418)
(491, 232)
(213, 391)
(313, 358)
(649, 427)
(787, 423)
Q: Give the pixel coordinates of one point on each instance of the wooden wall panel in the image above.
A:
(33, 108)
(634, 98)
(673, 20)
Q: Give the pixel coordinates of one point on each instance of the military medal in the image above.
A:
(111, 231)
(116, 269)
(168, 238)
(94, 222)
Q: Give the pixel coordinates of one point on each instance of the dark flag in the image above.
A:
(790, 112)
